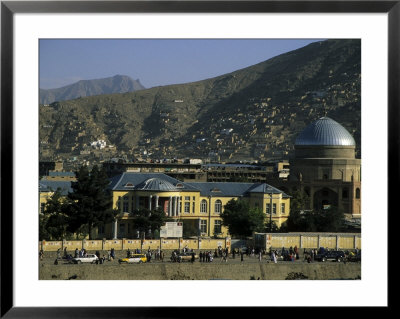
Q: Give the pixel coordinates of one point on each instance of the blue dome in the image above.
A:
(325, 131)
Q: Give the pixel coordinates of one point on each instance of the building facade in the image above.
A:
(199, 204)
(325, 169)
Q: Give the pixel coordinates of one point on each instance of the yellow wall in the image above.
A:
(189, 243)
(114, 243)
(169, 243)
(93, 244)
(125, 244)
(132, 244)
(51, 245)
(308, 240)
(73, 244)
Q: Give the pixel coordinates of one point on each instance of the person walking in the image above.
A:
(241, 256)
(273, 257)
(259, 256)
(112, 253)
(162, 256)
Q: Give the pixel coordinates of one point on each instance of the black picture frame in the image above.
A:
(9, 8)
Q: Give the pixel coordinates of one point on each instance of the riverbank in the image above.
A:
(263, 270)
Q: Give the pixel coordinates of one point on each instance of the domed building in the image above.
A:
(325, 168)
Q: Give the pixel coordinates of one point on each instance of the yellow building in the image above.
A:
(198, 203)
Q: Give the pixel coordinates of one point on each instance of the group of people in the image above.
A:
(206, 256)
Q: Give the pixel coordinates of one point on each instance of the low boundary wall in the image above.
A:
(337, 241)
(124, 244)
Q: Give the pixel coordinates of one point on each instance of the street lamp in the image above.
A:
(270, 208)
(270, 212)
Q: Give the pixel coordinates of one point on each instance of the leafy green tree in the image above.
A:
(327, 220)
(271, 227)
(189, 228)
(242, 220)
(53, 222)
(140, 220)
(157, 219)
(90, 203)
(301, 221)
(146, 220)
(297, 201)
(330, 220)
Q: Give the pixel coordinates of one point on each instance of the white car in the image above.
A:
(90, 258)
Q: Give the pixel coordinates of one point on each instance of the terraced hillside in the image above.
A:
(250, 114)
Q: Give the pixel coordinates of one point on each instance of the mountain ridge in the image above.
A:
(115, 84)
(262, 107)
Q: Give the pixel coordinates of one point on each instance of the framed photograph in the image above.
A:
(28, 26)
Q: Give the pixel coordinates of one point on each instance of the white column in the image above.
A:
(115, 228)
(157, 197)
(176, 205)
(170, 206)
(179, 206)
(150, 199)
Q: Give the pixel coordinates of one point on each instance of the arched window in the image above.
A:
(203, 206)
(218, 206)
(357, 193)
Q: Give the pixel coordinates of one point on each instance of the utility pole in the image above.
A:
(270, 213)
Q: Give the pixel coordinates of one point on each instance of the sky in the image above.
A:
(155, 62)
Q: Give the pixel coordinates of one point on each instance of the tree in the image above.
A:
(53, 222)
(242, 220)
(330, 220)
(297, 201)
(157, 219)
(190, 228)
(271, 227)
(90, 203)
(327, 220)
(146, 220)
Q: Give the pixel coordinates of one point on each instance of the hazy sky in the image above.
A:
(153, 62)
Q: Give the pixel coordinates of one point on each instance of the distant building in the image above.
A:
(46, 166)
(99, 144)
(325, 168)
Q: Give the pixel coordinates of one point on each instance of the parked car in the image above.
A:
(90, 258)
(333, 255)
(354, 257)
(134, 259)
(186, 257)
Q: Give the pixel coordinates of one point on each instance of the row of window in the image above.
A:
(217, 226)
(267, 208)
(203, 206)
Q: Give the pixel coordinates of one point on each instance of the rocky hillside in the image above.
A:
(250, 114)
(115, 84)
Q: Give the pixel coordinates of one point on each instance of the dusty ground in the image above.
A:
(250, 268)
